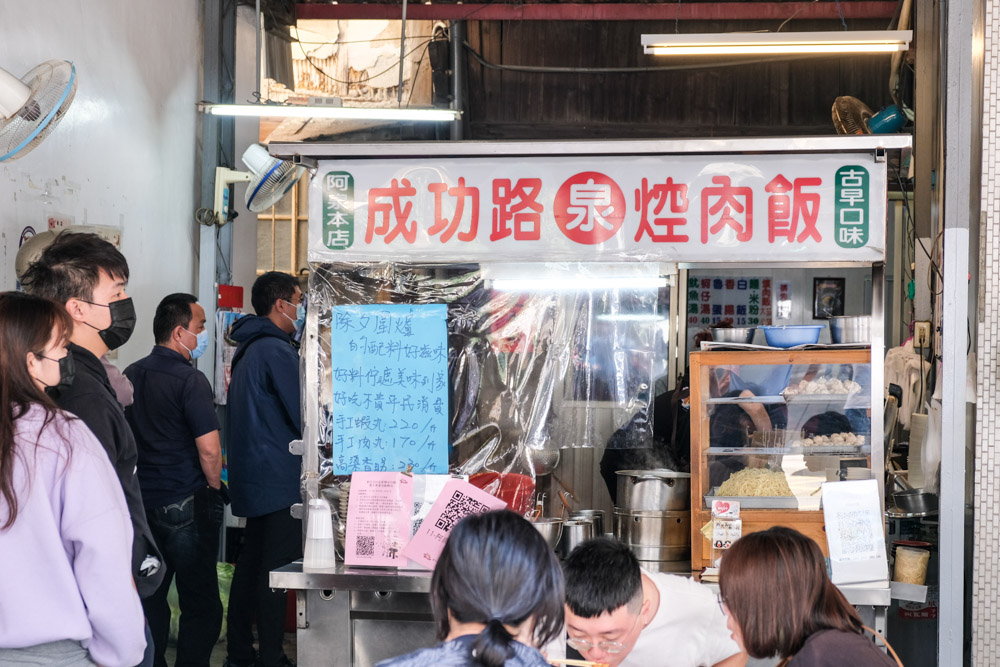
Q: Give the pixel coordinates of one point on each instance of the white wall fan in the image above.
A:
(32, 106)
(268, 180)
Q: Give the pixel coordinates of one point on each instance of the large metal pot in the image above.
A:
(654, 490)
(655, 536)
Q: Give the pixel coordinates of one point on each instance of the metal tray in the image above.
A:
(756, 502)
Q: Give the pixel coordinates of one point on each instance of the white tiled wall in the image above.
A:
(985, 577)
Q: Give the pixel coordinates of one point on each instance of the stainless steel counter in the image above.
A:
(357, 616)
(344, 578)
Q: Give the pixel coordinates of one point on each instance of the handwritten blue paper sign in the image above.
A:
(389, 368)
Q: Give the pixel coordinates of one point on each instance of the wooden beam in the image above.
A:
(600, 11)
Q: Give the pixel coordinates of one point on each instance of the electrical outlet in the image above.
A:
(921, 334)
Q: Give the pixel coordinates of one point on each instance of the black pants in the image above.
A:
(188, 535)
(270, 541)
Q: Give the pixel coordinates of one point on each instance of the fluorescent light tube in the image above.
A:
(577, 283)
(778, 43)
(341, 113)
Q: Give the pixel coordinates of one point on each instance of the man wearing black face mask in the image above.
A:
(88, 276)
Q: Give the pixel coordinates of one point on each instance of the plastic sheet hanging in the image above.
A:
(535, 351)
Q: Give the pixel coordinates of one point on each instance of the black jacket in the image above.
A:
(92, 399)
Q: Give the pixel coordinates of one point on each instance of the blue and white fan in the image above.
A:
(272, 178)
(32, 106)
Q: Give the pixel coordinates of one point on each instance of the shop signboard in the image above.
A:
(692, 208)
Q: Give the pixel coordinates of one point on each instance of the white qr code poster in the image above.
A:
(854, 531)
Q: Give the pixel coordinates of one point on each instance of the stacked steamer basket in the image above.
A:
(652, 517)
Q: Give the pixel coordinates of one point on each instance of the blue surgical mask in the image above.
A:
(200, 347)
(300, 313)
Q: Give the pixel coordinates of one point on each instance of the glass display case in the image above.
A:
(768, 428)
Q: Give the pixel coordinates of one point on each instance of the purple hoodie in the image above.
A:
(65, 571)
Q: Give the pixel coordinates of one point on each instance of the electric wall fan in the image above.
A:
(852, 116)
(268, 180)
(32, 106)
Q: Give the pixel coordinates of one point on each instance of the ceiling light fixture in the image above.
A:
(777, 43)
(336, 113)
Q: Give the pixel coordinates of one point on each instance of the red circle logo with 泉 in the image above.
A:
(589, 208)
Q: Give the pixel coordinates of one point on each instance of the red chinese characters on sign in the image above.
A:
(517, 204)
(388, 216)
(447, 228)
(589, 208)
(785, 212)
(733, 205)
(661, 229)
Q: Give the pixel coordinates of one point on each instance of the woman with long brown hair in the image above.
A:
(66, 592)
(779, 601)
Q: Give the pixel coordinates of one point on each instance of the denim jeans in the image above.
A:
(188, 535)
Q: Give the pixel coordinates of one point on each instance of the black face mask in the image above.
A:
(67, 371)
(122, 323)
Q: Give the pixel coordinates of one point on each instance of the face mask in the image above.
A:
(122, 322)
(202, 344)
(300, 314)
(67, 371)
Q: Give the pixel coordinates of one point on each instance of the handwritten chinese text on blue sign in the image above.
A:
(389, 368)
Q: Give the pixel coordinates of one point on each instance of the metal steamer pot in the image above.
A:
(655, 490)
(655, 536)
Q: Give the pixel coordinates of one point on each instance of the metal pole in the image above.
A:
(962, 86)
(257, 54)
(457, 34)
(402, 56)
(217, 144)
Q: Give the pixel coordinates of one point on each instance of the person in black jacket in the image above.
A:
(264, 416)
(88, 276)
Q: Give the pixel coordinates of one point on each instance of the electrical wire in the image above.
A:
(542, 69)
(796, 13)
(368, 77)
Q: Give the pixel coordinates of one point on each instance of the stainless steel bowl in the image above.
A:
(916, 501)
(733, 334)
(851, 329)
(550, 528)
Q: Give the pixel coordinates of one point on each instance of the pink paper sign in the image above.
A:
(378, 518)
(458, 500)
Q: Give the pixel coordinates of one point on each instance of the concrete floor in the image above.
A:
(219, 653)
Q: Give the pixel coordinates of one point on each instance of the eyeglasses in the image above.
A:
(722, 605)
(582, 645)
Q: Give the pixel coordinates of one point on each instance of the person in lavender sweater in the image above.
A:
(66, 594)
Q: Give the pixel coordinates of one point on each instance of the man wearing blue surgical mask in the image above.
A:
(180, 462)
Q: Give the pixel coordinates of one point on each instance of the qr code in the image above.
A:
(366, 545)
(459, 506)
(855, 532)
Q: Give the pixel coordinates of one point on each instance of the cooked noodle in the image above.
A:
(755, 482)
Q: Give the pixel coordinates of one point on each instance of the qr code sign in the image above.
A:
(366, 545)
(459, 506)
(855, 531)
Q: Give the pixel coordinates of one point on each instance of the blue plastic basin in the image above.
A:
(791, 335)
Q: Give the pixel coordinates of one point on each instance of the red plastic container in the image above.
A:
(513, 488)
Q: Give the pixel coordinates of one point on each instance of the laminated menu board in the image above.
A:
(378, 518)
(854, 532)
(458, 500)
(389, 375)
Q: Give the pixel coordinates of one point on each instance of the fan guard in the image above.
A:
(51, 86)
(272, 178)
(851, 115)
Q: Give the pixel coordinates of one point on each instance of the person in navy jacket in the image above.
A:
(264, 416)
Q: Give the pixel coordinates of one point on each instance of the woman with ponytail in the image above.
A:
(497, 592)
(66, 592)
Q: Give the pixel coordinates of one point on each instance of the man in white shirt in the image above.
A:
(618, 614)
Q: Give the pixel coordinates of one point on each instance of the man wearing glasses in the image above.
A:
(616, 613)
